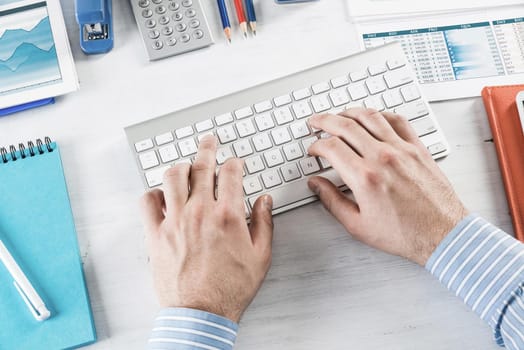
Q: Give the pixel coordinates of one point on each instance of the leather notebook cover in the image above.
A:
(509, 142)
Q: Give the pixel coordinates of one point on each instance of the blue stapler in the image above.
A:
(96, 25)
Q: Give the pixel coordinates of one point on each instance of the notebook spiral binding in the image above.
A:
(30, 151)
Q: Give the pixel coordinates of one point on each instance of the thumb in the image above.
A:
(261, 227)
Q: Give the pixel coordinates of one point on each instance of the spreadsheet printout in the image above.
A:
(455, 59)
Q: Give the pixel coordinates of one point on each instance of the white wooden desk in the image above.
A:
(324, 290)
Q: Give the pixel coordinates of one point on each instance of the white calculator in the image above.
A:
(171, 27)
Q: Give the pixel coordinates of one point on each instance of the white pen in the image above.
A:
(25, 288)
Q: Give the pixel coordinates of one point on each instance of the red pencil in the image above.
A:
(240, 15)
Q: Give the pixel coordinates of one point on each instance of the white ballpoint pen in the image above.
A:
(25, 288)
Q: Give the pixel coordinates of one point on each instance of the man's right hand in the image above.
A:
(403, 203)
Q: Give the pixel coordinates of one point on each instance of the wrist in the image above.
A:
(212, 308)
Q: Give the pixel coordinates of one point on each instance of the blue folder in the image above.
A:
(36, 225)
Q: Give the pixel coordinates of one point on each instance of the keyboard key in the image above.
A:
(306, 143)
(271, 178)
(148, 160)
(302, 109)
(254, 164)
(375, 85)
(301, 94)
(223, 119)
(290, 172)
(184, 132)
(143, 145)
(243, 112)
(377, 69)
(283, 115)
(395, 63)
(320, 103)
(245, 128)
(263, 106)
(204, 125)
(423, 126)
(297, 191)
(392, 98)
(251, 185)
(273, 157)
(223, 154)
(340, 81)
(264, 121)
(280, 135)
(262, 142)
(397, 77)
(164, 138)
(410, 93)
(155, 177)
(168, 153)
(436, 148)
(293, 151)
(339, 98)
(226, 134)
(324, 163)
(282, 100)
(320, 88)
(187, 147)
(357, 91)
(309, 165)
(374, 102)
(299, 129)
(358, 75)
(413, 110)
(242, 148)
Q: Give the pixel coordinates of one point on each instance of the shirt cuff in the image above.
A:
(184, 329)
(482, 265)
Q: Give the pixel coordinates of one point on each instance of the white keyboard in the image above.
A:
(267, 125)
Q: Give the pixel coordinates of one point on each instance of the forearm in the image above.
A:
(185, 329)
(484, 266)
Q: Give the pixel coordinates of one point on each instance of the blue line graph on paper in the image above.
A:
(27, 50)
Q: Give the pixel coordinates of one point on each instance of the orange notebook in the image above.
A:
(509, 142)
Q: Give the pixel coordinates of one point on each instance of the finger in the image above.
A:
(342, 208)
(176, 187)
(342, 157)
(348, 130)
(261, 227)
(230, 183)
(374, 122)
(152, 204)
(402, 127)
(203, 169)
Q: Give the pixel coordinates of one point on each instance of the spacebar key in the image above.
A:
(296, 191)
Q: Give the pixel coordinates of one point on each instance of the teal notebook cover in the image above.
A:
(37, 227)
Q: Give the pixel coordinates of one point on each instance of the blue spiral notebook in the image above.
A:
(37, 227)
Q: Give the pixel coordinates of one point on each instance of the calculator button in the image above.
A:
(185, 37)
(147, 13)
(194, 23)
(153, 34)
(157, 1)
(178, 16)
(143, 3)
(190, 13)
(198, 34)
(164, 20)
(167, 31)
(187, 3)
(171, 42)
(161, 9)
(174, 6)
(150, 23)
(180, 27)
(157, 45)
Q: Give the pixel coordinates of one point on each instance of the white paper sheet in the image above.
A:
(455, 56)
(35, 56)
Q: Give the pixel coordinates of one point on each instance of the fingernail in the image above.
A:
(313, 187)
(268, 202)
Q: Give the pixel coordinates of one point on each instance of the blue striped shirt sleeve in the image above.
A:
(484, 266)
(185, 329)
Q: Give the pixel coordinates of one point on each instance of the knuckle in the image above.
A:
(388, 156)
(371, 111)
(176, 171)
(371, 177)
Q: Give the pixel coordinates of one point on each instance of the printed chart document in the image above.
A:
(35, 56)
(456, 55)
